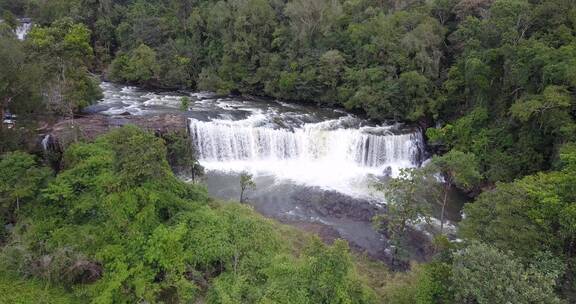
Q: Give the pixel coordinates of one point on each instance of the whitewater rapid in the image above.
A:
(293, 144)
(23, 29)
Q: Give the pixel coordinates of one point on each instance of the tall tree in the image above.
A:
(405, 207)
(20, 79)
(458, 169)
(246, 183)
(65, 48)
(21, 179)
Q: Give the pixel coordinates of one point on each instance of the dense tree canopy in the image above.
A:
(493, 82)
(518, 237)
(50, 70)
(485, 275)
(497, 76)
(541, 206)
(21, 179)
(116, 226)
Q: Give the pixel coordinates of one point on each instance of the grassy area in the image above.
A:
(18, 291)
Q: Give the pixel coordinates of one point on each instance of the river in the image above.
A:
(313, 167)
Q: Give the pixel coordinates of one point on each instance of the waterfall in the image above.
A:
(23, 29)
(45, 143)
(285, 144)
(50, 144)
(366, 147)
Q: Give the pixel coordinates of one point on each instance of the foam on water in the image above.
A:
(291, 143)
(23, 29)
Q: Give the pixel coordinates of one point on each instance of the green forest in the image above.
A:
(491, 82)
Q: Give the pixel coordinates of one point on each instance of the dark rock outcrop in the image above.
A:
(89, 127)
(335, 204)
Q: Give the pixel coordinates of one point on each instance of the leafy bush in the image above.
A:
(119, 227)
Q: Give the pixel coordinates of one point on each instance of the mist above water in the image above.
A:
(331, 154)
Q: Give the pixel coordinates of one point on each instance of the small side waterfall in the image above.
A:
(23, 29)
(46, 142)
(369, 147)
(50, 144)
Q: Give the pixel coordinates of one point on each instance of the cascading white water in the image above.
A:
(278, 143)
(22, 30)
(228, 141)
(322, 154)
(45, 142)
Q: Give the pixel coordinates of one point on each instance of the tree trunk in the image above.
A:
(444, 201)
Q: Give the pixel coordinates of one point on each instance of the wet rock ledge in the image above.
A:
(91, 126)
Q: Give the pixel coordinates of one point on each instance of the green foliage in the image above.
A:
(181, 155)
(434, 284)
(514, 64)
(425, 284)
(116, 226)
(479, 273)
(63, 49)
(139, 66)
(140, 156)
(64, 40)
(14, 7)
(411, 194)
(529, 216)
(405, 206)
(460, 169)
(246, 183)
(322, 275)
(20, 181)
(486, 275)
(18, 291)
(184, 103)
(20, 79)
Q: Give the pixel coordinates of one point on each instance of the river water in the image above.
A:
(311, 165)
